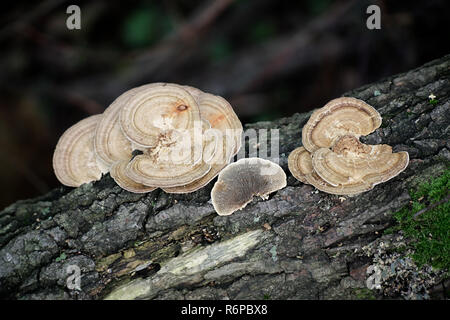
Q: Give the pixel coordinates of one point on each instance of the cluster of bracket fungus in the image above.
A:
(334, 160)
(159, 135)
(243, 179)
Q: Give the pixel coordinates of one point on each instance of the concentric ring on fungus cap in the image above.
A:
(301, 167)
(226, 128)
(350, 168)
(74, 159)
(221, 116)
(378, 164)
(172, 165)
(151, 114)
(110, 143)
(339, 117)
(300, 164)
(118, 174)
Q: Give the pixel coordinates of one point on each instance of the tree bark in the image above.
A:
(298, 244)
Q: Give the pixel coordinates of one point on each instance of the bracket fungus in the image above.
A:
(334, 160)
(339, 117)
(74, 159)
(241, 180)
(184, 136)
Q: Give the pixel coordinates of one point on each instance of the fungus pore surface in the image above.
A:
(241, 180)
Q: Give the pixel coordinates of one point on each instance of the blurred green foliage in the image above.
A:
(219, 50)
(318, 6)
(145, 26)
(261, 31)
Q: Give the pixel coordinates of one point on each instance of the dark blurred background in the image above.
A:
(268, 58)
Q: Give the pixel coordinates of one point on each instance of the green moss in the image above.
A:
(433, 101)
(62, 257)
(429, 232)
(364, 294)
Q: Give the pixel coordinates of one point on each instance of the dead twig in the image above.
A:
(431, 207)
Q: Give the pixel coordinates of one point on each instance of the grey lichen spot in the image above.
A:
(273, 252)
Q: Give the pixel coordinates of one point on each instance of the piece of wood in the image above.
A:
(298, 244)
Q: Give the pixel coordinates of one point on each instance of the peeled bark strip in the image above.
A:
(299, 244)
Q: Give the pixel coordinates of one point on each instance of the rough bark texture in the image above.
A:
(298, 244)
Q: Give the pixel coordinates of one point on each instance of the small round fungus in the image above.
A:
(241, 180)
(74, 159)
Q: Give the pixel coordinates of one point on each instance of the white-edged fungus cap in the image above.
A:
(334, 160)
(154, 114)
(339, 117)
(74, 159)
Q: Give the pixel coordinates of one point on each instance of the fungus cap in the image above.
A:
(172, 165)
(74, 159)
(222, 117)
(156, 112)
(118, 174)
(300, 164)
(339, 117)
(359, 163)
(241, 180)
(145, 170)
(110, 143)
(226, 131)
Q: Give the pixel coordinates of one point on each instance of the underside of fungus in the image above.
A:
(334, 160)
(240, 181)
(184, 137)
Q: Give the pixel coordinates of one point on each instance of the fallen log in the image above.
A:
(298, 244)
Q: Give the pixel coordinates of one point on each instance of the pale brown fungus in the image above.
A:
(241, 180)
(181, 150)
(339, 117)
(74, 159)
(334, 160)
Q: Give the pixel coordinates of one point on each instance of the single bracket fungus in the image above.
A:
(334, 160)
(241, 180)
(339, 117)
(153, 116)
(184, 136)
(74, 160)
